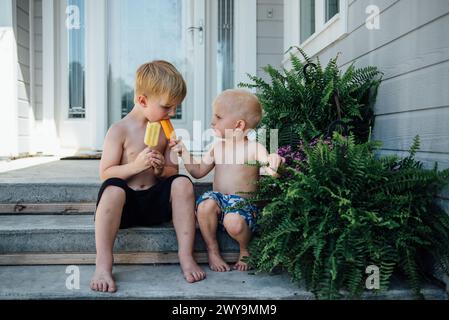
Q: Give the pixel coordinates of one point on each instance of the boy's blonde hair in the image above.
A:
(160, 78)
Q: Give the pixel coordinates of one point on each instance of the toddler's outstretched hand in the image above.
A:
(176, 145)
(274, 161)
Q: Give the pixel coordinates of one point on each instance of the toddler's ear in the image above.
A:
(241, 125)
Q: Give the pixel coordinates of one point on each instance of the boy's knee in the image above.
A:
(182, 185)
(234, 224)
(113, 194)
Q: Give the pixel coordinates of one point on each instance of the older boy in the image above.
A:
(141, 185)
(235, 113)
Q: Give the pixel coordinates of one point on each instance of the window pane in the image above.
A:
(332, 8)
(225, 56)
(141, 31)
(307, 19)
(77, 59)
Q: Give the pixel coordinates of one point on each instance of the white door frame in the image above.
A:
(97, 70)
(245, 51)
(87, 133)
(200, 44)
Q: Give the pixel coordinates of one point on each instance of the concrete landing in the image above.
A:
(145, 282)
(166, 282)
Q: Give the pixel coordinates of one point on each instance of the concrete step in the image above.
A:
(65, 181)
(15, 196)
(166, 282)
(42, 234)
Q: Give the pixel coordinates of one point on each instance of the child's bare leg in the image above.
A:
(183, 208)
(107, 223)
(238, 229)
(207, 215)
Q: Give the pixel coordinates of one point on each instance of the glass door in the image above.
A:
(140, 31)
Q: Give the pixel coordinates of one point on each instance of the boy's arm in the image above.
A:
(197, 168)
(112, 153)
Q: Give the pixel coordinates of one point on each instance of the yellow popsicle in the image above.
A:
(152, 134)
(167, 127)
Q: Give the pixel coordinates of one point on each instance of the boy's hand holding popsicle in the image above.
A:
(151, 157)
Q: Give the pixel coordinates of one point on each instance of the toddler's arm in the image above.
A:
(197, 168)
(273, 160)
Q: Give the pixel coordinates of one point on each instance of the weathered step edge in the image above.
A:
(119, 258)
(47, 208)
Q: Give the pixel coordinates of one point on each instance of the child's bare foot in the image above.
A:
(216, 262)
(240, 265)
(190, 269)
(103, 281)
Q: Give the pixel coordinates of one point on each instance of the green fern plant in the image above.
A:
(302, 106)
(347, 210)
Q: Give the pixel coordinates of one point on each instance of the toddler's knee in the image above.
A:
(207, 207)
(234, 224)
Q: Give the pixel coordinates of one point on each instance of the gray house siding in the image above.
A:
(412, 49)
(29, 73)
(23, 74)
(270, 34)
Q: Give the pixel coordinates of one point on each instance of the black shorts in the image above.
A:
(144, 207)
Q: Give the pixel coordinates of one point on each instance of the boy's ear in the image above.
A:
(142, 100)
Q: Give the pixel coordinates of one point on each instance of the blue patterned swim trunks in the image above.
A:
(231, 203)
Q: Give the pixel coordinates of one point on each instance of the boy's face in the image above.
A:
(157, 108)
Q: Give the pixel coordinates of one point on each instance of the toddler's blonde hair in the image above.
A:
(242, 104)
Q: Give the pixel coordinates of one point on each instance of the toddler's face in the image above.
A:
(222, 120)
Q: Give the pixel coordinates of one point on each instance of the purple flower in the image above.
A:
(291, 157)
(294, 158)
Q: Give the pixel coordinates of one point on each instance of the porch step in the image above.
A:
(166, 282)
(15, 196)
(64, 181)
(24, 238)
